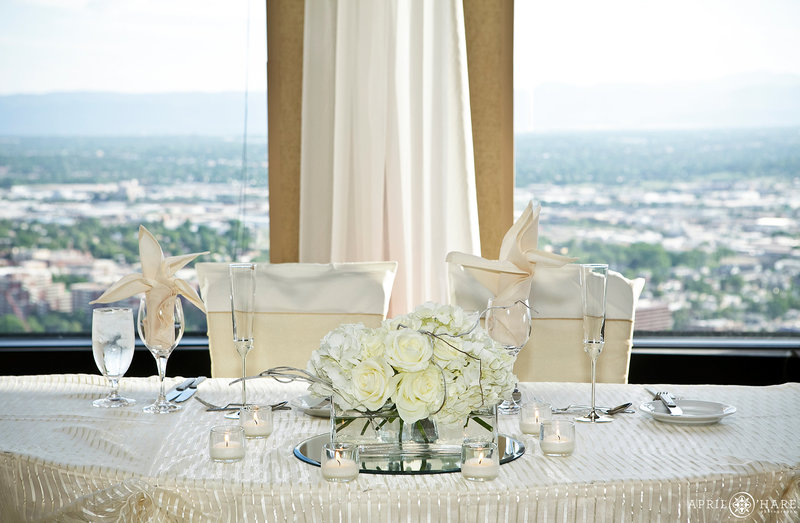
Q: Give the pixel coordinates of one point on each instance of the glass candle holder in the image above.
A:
(479, 460)
(531, 415)
(226, 443)
(339, 461)
(557, 437)
(256, 421)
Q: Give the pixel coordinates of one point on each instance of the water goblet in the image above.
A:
(594, 281)
(160, 329)
(112, 346)
(243, 296)
(510, 325)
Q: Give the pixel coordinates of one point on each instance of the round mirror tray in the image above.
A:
(411, 458)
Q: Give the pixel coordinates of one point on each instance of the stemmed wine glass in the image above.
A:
(112, 346)
(594, 280)
(160, 330)
(510, 325)
(243, 297)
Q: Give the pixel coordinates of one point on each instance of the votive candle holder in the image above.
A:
(226, 443)
(557, 438)
(256, 421)
(531, 415)
(339, 462)
(479, 460)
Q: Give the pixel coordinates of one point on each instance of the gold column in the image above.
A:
(489, 26)
(285, 20)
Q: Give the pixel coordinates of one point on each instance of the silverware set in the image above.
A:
(608, 411)
(210, 407)
(187, 389)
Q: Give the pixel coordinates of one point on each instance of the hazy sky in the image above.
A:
(130, 45)
(607, 41)
(185, 45)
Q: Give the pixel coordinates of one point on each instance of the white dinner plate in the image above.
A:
(312, 405)
(695, 412)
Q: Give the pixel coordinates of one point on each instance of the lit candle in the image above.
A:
(480, 468)
(532, 415)
(339, 468)
(226, 444)
(256, 423)
(557, 440)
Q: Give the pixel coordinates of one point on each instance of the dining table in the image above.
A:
(61, 459)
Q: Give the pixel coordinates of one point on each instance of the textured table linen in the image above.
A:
(64, 460)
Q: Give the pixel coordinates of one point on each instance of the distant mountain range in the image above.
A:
(752, 100)
(102, 114)
(742, 101)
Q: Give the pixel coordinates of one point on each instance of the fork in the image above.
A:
(210, 407)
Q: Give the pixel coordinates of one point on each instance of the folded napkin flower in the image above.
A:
(509, 278)
(159, 285)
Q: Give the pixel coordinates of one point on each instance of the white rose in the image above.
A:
(408, 350)
(372, 383)
(448, 349)
(418, 394)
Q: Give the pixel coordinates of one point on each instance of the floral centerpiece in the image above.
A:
(435, 363)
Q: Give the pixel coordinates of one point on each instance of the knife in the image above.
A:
(176, 391)
(669, 401)
(190, 390)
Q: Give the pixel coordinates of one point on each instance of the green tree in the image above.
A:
(11, 324)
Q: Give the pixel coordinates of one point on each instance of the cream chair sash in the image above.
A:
(555, 350)
(296, 305)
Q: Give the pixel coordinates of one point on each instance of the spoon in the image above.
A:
(618, 409)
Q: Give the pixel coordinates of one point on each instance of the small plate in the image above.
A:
(695, 412)
(312, 405)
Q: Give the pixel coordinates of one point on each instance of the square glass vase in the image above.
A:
(386, 443)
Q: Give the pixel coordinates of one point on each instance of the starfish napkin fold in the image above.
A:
(158, 283)
(509, 278)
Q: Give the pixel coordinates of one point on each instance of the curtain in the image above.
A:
(387, 169)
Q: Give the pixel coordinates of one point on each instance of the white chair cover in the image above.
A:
(296, 305)
(555, 349)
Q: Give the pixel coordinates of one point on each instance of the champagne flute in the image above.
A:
(112, 346)
(160, 329)
(510, 325)
(243, 297)
(594, 281)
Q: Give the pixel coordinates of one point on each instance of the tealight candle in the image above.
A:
(226, 443)
(339, 462)
(531, 415)
(479, 460)
(557, 438)
(256, 421)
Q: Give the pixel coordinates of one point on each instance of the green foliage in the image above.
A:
(665, 157)
(11, 324)
(65, 160)
(121, 241)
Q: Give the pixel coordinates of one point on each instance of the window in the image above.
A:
(115, 114)
(664, 138)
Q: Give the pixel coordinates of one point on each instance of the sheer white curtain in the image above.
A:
(387, 168)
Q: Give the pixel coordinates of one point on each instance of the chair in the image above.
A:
(555, 349)
(296, 305)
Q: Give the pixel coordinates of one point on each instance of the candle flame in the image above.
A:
(338, 458)
(255, 417)
(227, 440)
(480, 458)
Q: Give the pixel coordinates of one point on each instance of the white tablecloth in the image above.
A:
(64, 460)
